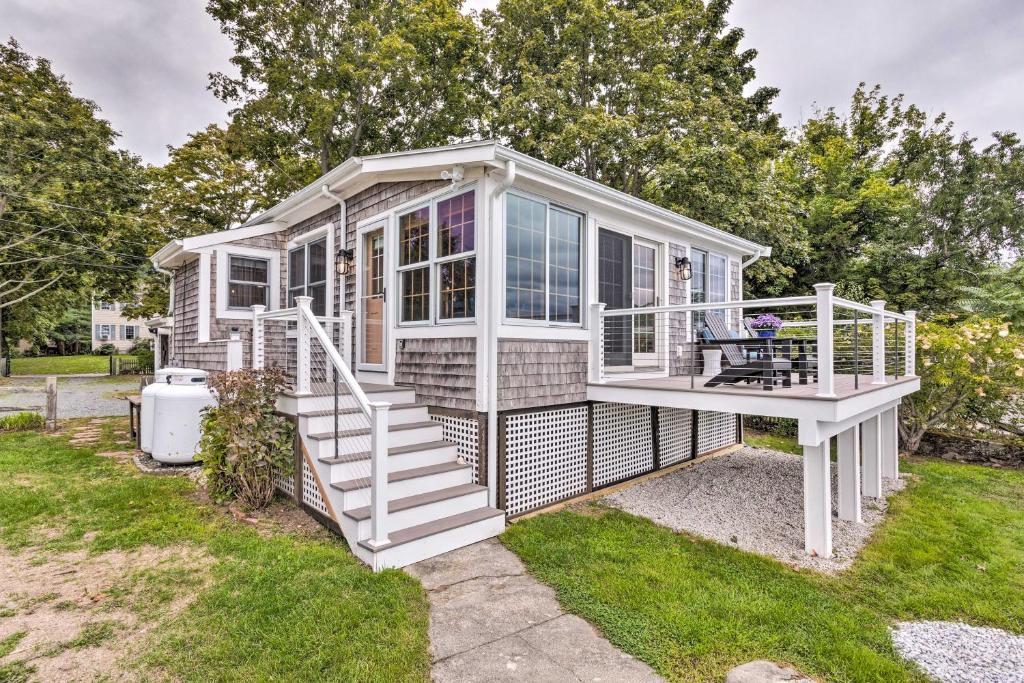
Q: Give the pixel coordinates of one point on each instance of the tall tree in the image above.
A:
(648, 98)
(321, 80)
(67, 196)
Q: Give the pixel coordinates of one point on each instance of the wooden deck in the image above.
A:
(844, 387)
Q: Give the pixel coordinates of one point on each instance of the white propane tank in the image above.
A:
(177, 408)
(148, 401)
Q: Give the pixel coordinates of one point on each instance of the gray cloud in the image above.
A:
(146, 62)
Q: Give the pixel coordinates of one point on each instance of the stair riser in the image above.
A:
(325, 423)
(358, 444)
(430, 546)
(292, 404)
(411, 487)
(345, 471)
(422, 514)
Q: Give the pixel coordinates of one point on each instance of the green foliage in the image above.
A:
(107, 349)
(142, 349)
(999, 294)
(19, 422)
(244, 441)
(970, 371)
(951, 548)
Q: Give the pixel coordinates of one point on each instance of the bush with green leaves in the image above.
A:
(245, 444)
(19, 422)
(104, 350)
(972, 376)
(142, 349)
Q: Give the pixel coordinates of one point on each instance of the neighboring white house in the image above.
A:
(109, 326)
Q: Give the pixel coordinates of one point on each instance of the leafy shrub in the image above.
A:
(19, 422)
(972, 379)
(779, 426)
(143, 350)
(244, 443)
(104, 350)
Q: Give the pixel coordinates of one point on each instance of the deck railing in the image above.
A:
(822, 336)
(320, 365)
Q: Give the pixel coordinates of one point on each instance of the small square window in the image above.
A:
(248, 282)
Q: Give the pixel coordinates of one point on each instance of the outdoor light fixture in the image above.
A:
(344, 261)
(684, 267)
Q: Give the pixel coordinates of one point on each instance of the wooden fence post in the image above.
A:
(51, 403)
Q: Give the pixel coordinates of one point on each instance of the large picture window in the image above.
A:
(542, 261)
(307, 274)
(248, 282)
(437, 260)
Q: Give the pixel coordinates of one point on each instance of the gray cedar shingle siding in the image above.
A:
(678, 322)
(442, 371)
(541, 373)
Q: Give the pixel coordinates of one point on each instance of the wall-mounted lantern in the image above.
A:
(684, 267)
(344, 260)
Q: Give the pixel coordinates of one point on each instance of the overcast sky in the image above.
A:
(145, 62)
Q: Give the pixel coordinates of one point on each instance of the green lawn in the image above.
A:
(61, 365)
(269, 605)
(786, 444)
(952, 547)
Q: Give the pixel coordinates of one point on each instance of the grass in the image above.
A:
(951, 548)
(61, 365)
(16, 422)
(786, 444)
(283, 606)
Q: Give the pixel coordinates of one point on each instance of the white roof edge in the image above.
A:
(165, 253)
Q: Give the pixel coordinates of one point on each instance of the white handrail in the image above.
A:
(279, 313)
(714, 306)
(870, 310)
(336, 360)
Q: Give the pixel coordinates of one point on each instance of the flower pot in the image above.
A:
(767, 332)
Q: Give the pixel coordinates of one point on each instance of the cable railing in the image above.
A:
(830, 342)
(319, 364)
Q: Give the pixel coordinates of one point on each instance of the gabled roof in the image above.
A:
(357, 173)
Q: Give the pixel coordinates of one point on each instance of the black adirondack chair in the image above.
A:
(750, 360)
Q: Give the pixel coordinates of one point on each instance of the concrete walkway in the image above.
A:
(491, 621)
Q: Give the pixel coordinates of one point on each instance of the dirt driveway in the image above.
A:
(76, 396)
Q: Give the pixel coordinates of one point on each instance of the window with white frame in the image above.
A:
(248, 282)
(708, 284)
(307, 274)
(543, 246)
(131, 331)
(437, 260)
(105, 306)
(103, 332)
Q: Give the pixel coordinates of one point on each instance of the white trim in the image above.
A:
(204, 297)
(232, 235)
(273, 256)
(311, 236)
(387, 339)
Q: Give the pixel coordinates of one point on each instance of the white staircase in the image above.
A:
(433, 505)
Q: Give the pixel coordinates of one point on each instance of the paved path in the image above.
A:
(76, 396)
(491, 621)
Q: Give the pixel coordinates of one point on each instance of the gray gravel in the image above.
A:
(751, 499)
(76, 396)
(957, 653)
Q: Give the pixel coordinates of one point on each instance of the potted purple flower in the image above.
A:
(766, 325)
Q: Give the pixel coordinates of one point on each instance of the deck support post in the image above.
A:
(890, 444)
(871, 454)
(848, 459)
(826, 378)
(818, 500)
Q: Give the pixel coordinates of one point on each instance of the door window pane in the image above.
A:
(458, 288)
(456, 225)
(414, 236)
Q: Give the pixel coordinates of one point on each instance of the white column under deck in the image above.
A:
(871, 449)
(890, 444)
(848, 459)
(817, 500)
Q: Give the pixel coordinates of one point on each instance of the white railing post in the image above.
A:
(378, 473)
(303, 352)
(597, 343)
(826, 379)
(346, 337)
(910, 344)
(878, 342)
(257, 337)
(234, 351)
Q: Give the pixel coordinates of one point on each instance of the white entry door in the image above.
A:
(372, 300)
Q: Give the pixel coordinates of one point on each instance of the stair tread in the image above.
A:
(419, 499)
(363, 431)
(394, 450)
(355, 409)
(367, 387)
(415, 533)
(401, 475)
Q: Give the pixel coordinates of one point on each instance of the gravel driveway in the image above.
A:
(957, 653)
(751, 499)
(76, 396)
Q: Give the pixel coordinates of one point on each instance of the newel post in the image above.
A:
(878, 342)
(379, 473)
(234, 351)
(257, 336)
(303, 352)
(826, 378)
(597, 343)
(346, 337)
(910, 344)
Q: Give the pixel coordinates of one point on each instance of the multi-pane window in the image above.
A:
(131, 331)
(307, 274)
(542, 261)
(708, 284)
(452, 260)
(644, 294)
(248, 282)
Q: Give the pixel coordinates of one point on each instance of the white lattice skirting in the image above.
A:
(310, 491)
(545, 457)
(623, 442)
(675, 435)
(285, 483)
(464, 432)
(715, 430)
